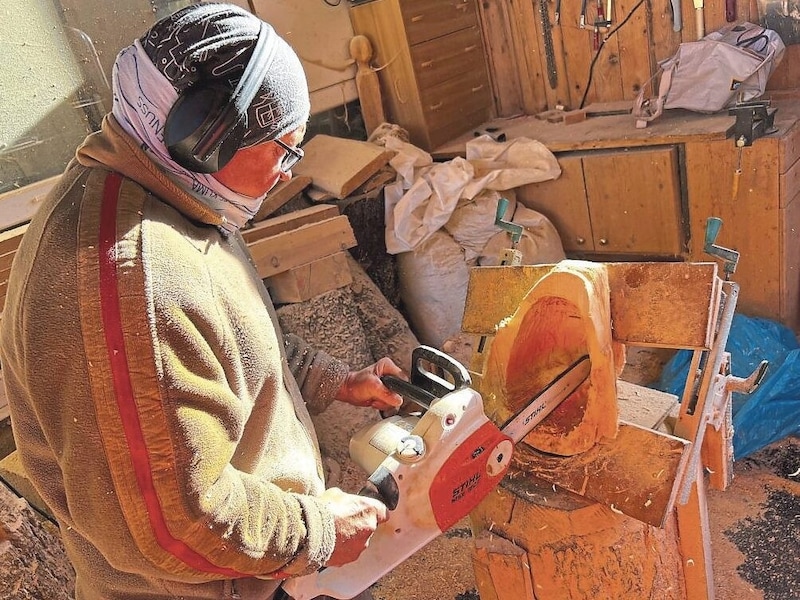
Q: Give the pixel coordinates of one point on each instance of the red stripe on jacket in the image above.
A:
(123, 389)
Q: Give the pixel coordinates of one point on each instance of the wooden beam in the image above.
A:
(287, 222)
(280, 195)
(18, 206)
(338, 165)
(10, 239)
(311, 279)
(289, 249)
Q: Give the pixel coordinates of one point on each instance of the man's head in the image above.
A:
(238, 83)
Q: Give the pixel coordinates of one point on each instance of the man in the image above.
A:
(156, 406)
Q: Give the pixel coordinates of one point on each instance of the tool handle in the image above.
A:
(514, 229)
(408, 390)
(430, 382)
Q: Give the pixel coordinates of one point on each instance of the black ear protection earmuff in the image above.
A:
(206, 125)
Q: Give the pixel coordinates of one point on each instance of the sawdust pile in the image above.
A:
(33, 563)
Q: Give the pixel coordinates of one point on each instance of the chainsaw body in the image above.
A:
(430, 470)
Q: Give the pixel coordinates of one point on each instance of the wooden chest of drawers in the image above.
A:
(433, 73)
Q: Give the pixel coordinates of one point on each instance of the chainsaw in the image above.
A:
(433, 468)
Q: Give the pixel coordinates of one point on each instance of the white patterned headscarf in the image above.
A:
(206, 43)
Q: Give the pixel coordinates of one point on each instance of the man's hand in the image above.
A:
(355, 519)
(364, 387)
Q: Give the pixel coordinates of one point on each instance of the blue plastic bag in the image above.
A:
(772, 411)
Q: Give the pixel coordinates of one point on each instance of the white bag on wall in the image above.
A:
(729, 65)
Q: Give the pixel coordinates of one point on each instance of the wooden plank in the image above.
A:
(299, 246)
(695, 542)
(644, 406)
(311, 279)
(652, 304)
(525, 35)
(790, 275)
(501, 57)
(10, 239)
(638, 473)
(280, 195)
(576, 46)
(710, 170)
(614, 131)
(634, 53)
(338, 165)
(18, 206)
(5, 263)
(292, 220)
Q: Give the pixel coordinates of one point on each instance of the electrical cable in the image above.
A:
(600, 49)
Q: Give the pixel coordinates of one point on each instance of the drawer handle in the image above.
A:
(437, 106)
(427, 64)
(470, 48)
(603, 242)
(477, 88)
(580, 241)
(417, 18)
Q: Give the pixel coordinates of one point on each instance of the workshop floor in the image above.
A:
(755, 527)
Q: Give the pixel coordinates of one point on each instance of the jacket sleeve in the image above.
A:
(318, 374)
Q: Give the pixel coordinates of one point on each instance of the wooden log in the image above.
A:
(564, 316)
(502, 571)
(667, 305)
(576, 549)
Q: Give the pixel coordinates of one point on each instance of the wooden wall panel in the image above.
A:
(628, 59)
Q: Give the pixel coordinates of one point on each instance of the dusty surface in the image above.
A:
(755, 526)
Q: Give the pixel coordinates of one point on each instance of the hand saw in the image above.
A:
(431, 470)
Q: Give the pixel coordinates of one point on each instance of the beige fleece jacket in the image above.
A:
(150, 400)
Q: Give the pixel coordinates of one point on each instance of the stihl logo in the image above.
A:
(463, 489)
(532, 416)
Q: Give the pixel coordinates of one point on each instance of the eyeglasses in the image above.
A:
(291, 158)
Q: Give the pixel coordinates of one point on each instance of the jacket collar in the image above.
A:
(113, 149)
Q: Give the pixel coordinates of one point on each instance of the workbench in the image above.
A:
(645, 194)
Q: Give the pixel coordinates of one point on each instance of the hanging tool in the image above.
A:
(582, 21)
(730, 10)
(677, 15)
(557, 15)
(730, 258)
(699, 19)
(600, 22)
(549, 47)
(511, 256)
(431, 470)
